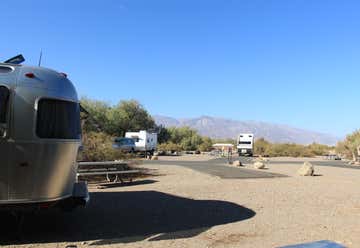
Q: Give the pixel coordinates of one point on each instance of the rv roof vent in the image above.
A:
(5, 69)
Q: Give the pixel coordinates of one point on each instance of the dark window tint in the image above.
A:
(4, 69)
(57, 119)
(245, 142)
(4, 100)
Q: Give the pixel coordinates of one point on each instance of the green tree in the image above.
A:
(187, 138)
(206, 145)
(129, 116)
(163, 134)
(95, 118)
(350, 146)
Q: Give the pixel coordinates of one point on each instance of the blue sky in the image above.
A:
(294, 62)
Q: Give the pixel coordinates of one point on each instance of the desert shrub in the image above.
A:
(97, 146)
(319, 149)
(261, 147)
(206, 145)
(169, 147)
(265, 148)
(186, 138)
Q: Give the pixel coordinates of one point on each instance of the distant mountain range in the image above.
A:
(226, 128)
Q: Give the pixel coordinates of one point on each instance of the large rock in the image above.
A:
(261, 159)
(237, 163)
(154, 158)
(307, 169)
(259, 165)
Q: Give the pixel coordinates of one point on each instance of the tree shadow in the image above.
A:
(122, 217)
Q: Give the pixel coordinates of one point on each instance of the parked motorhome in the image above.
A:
(40, 136)
(144, 141)
(245, 144)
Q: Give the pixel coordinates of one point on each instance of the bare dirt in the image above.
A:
(186, 208)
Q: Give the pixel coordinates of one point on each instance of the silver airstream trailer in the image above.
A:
(40, 136)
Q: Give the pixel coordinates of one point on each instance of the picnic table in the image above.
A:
(115, 171)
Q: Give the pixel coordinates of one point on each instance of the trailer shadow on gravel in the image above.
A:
(122, 217)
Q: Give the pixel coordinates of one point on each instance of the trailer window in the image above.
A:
(245, 142)
(4, 101)
(5, 69)
(58, 119)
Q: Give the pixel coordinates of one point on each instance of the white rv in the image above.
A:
(144, 141)
(245, 144)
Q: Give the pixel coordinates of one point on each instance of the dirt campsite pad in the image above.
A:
(185, 207)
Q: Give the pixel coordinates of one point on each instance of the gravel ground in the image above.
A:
(186, 208)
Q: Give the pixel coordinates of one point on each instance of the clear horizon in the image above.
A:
(288, 62)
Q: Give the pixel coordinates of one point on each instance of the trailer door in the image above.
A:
(4, 143)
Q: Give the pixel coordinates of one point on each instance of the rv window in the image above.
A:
(4, 99)
(58, 119)
(5, 69)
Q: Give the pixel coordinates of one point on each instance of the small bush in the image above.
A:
(265, 148)
(97, 146)
(169, 147)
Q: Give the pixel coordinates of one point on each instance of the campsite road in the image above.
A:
(218, 167)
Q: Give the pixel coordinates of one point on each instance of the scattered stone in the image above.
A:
(154, 158)
(237, 163)
(264, 159)
(307, 169)
(259, 165)
(261, 159)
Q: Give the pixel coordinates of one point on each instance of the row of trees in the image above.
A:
(115, 120)
(265, 148)
(183, 139)
(101, 122)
